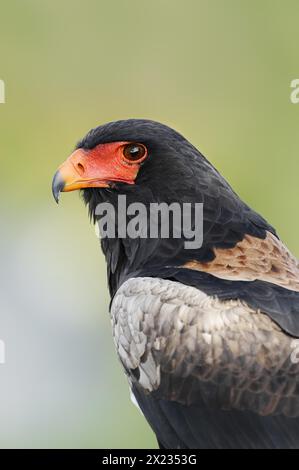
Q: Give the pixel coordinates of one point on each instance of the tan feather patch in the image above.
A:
(254, 259)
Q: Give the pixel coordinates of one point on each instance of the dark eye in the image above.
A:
(134, 152)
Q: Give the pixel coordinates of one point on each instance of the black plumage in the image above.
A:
(246, 404)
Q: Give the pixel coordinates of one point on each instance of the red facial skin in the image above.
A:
(97, 167)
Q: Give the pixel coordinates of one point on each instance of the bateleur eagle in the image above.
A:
(205, 336)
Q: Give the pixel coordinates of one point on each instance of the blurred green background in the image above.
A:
(219, 72)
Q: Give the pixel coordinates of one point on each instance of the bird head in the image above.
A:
(135, 155)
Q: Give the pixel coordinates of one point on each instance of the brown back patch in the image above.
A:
(251, 259)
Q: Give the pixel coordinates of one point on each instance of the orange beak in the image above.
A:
(95, 168)
(76, 173)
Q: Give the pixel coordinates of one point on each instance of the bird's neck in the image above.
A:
(141, 242)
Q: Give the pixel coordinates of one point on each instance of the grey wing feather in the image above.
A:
(185, 350)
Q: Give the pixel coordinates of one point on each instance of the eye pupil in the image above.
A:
(134, 152)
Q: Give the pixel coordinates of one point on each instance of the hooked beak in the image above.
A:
(58, 185)
(77, 172)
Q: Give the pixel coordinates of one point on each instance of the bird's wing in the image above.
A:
(191, 356)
